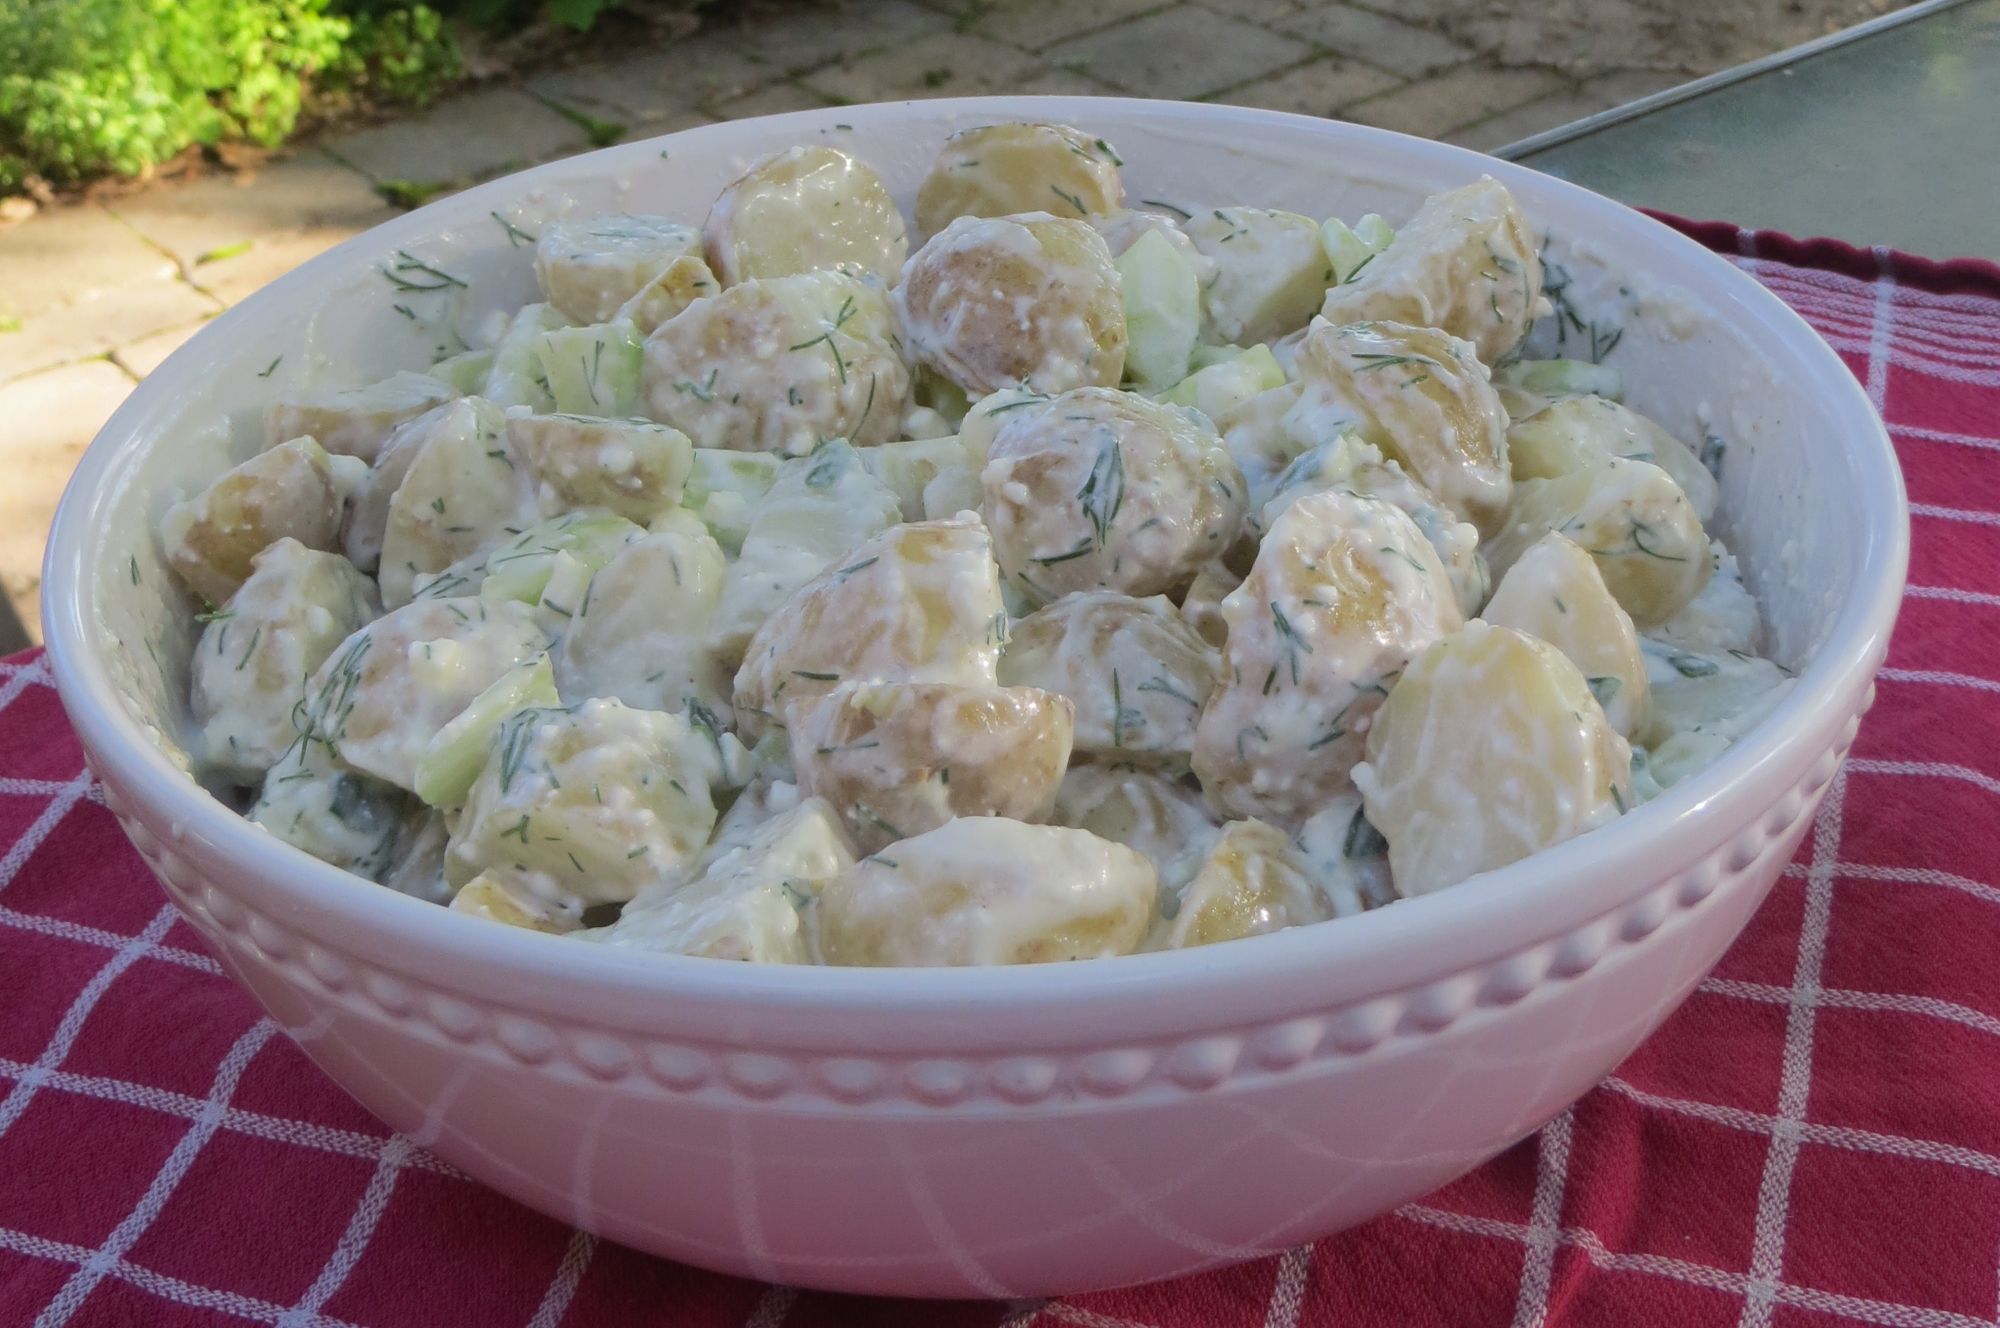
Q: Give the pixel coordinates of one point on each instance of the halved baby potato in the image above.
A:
(1489, 748)
(589, 266)
(987, 890)
(1466, 263)
(1555, 593)
(899, 758)
(1575, 433)
(1024, 301)
(1137, 674)
(1100, 489)
(1628, 515)
(1344, 591)
(918, 603)
(294, 489)
(1006, 169)
(1251, 882)
(780, 364)
(802, 209)
(1419, 395)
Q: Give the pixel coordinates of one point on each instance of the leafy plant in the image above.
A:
(94, 86)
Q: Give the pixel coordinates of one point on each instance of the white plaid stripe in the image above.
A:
(253, 1124)
(1288, 1288)
(1842, 999)
(1531, 1305)
(1836, 1136)
(44, 825)
(73, 1018)
(772, 1307)
(1887, 1314)
(110, 940)
(1925, 769)
(1951, 593)
(353, 1242)
(156, 1284)
(1940, 677)
(562, 1287)
(1968, 515)
(1774, 1194)
(126, 1234)
(1957, 439)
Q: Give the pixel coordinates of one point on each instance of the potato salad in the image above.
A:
(1038, 576)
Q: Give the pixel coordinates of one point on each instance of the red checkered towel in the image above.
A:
(1813, 1140)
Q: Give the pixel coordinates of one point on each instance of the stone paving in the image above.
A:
(93, 296)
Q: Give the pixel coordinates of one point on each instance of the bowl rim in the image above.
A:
(1537, 899)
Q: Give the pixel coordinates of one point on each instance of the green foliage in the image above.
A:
(115, 87)
(400, 53)
(95, 86)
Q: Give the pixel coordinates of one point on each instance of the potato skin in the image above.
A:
(987, 890)
(1006, 169)
(802, 209)
(1098, 489)
(779, 365)
(212, 540)
(1030, 300)
(897, 759)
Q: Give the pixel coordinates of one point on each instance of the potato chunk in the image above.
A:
(462, 495)
(1344, 591)
(1489, 748)
(632, 467)
(1251, 882)
(744, 905)
(250, 666)
(679, 285)
(1161, 817)
(380, 698)
(642, 634)
(355, 421)
(1418, 395)
(1466, 263)
(1350, 464)
(1271, 273)
(1004, 169)
(1103, 489)
(1554, 592)
(1577, 432)
(779, 365)
(803, 209)
(1137, 674)
(918, 603)
(899, 758)
(294, 489)
(585, 806)
(1030, 301)
(589, 266)
(987, 890)
(1628, 515)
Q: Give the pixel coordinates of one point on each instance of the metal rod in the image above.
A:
(1632, 110)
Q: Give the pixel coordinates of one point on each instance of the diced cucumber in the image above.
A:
(908, 467)
(516, 378)
(592, 370)
(520, 569)
(1214, 390)
(724, 488)
(1563, 378)
(1348, 248)
(454, 757)
(466, 371)
(1162, 310)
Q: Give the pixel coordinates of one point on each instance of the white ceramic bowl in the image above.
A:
(1004, 1131)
